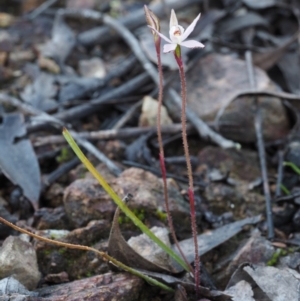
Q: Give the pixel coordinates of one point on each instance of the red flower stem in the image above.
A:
(179, 61)
(162, 155)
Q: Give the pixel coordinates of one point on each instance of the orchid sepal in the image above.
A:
(178, 35)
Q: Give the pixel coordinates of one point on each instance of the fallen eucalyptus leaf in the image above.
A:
(259, 4)
(212, 239)
(122, 251)
(17, 158)
(290, 70)
(62, 42)
(41, 93)
(239, 22)
(189, 286)
(270, 57)
(268, 283)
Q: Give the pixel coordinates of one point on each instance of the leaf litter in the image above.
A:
(18, 160)
(44, 49)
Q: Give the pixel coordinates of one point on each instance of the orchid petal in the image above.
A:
(178, 37)
(169, 47)
(192, 44)
(161, 35)
(191, 27)
(173, 19)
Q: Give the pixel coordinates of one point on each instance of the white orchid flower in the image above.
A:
(178, 35)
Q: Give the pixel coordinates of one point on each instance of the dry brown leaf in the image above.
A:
(269, 58)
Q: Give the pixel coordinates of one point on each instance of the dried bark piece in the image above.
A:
(106, 287)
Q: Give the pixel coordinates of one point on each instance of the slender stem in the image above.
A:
(104, 256)
(179, 61)
(162, 155)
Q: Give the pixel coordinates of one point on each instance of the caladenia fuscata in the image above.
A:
(178, 38)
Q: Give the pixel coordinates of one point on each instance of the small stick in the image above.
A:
(98, 154)
(261, 148)
(124, 133)
(60, 171)
(263, 165)
(134, 45)
(202, 128)
(95, 104)
(156, 172)
(103, 255)
(127, 116)
(279, 173)
(39, 10)
(287, 198)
